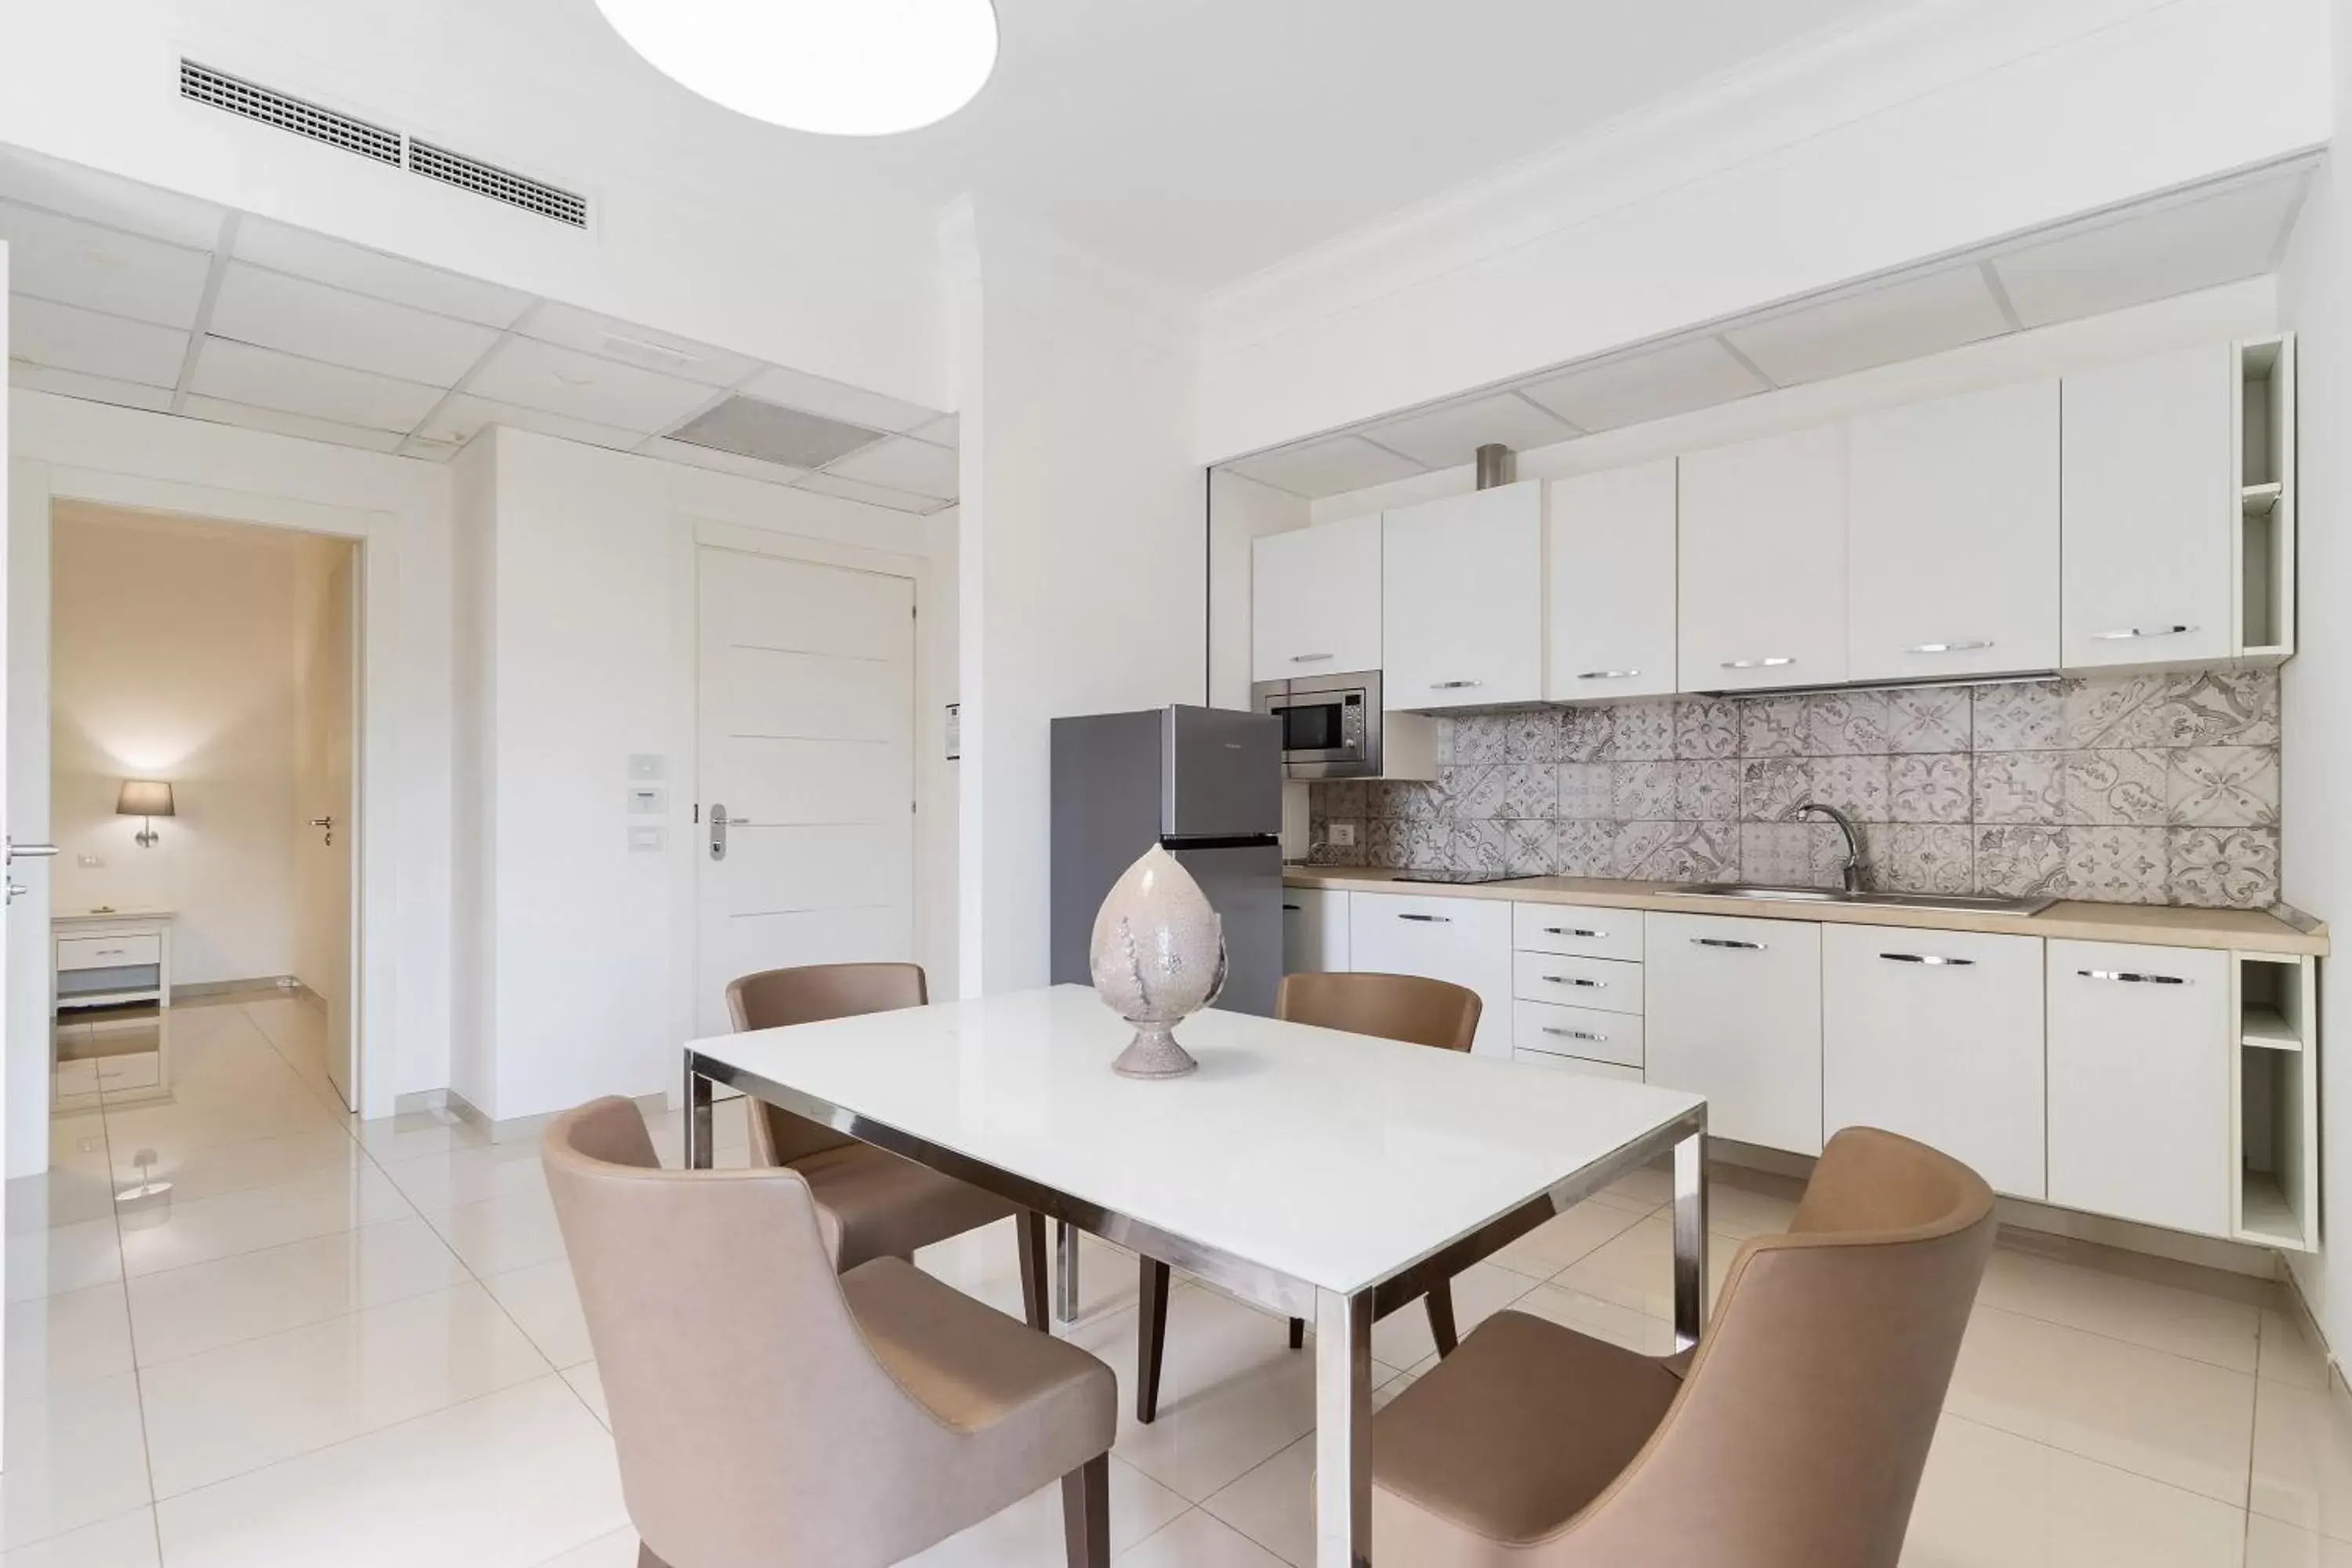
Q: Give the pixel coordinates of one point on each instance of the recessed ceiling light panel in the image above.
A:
(840, 68)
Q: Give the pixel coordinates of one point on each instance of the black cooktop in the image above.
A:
(1466, 878)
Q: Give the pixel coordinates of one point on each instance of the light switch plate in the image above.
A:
(1343, 835)
(642, 839)
(91, 862)
(645, 801)
(647, 766)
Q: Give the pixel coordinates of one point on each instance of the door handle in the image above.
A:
(31, 851)
(328, 822)
(719, 833)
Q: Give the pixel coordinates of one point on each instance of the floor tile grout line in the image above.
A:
(1950, 1414)
(130, 1332)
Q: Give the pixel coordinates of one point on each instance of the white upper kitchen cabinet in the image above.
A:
(1462, 614)
(1763, 556)
(1315, 600)
(1733, 1011)
(1465, 941)
(2140, 1050)
(1611, 599)
(2149, 511)
(1953, 537)
(1937, 1035)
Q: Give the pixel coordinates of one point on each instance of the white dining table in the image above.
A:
(1322, 1175)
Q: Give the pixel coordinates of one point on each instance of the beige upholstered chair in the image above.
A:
(1793, 1438)
(769, 1412)
(1405, 1007)
(886, 1206)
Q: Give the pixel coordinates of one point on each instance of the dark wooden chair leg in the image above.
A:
(1032, 1228)
(1085, 1513)
(1297, 1334)
(1151, 1338)
(1441, 1317)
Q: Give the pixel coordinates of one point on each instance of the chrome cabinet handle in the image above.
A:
(33, 851)
(1573, 931)
(2130, 632)
(1773, 663)
(1972, 646)
(1290, 909)
(1726, 942)
(2130, 978)
(1608, 674)
(111, 952)
(1429, 919)
(1932, 959)
(1574, 980)
(1576, 1034)
(1307, 657)
(1453, 684)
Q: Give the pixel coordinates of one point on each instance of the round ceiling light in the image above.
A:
(840, 68)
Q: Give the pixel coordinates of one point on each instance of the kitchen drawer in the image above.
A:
(1589, 1068)
(109, 951)
(1576, 1032)
(1586, 933)
(1465, 941)
(1602, 983)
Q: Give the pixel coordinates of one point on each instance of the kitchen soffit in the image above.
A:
(299, 334)
(2216, 234)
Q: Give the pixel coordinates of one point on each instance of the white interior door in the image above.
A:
(330, 827)
(806, 743)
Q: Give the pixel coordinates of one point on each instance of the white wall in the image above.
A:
(1940, 128)
(172, 657)
(400, 510)
(585, 631)
(473, 929)
(2315, 778)
(1082, 551)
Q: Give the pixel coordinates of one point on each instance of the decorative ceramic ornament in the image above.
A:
(1157, 957)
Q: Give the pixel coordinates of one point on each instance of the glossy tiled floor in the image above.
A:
(359, 1345)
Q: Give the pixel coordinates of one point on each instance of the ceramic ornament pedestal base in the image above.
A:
(1153, 1053)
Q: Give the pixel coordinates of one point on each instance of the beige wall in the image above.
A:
(175, 654)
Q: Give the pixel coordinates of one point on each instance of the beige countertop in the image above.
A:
(2246, 931)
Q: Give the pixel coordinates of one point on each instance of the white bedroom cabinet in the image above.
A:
(1762, 548)
(1953, 538)
(1611, 597)
(1462, 599)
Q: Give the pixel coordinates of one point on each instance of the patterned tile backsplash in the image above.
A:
(2139, 789)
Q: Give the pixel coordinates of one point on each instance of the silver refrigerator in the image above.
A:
(1205, 784)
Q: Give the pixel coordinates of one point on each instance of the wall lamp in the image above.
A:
(146, 798)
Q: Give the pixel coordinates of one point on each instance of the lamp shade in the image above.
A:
(143, 798)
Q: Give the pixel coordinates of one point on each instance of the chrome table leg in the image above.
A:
(1065, 1272)
(1343, 1430)
(697, 1117)
(1690, 1240)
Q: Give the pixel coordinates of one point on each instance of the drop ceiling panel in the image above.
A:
(1892, 321)
(533, 375)
(264, 378)
(1442, 437)
(751, 427)
(940, 432)
(872, 495)
(711, 458)
(2154, 255)
(315, 321)
(1326, 468)
(1655, 385)
(639, 346)
(798, 389)
(464, 416)
(904, 464)
(278, 422)
(65, 337)
(371, 272)
(104, 199)
(91, 388)
(79, 263)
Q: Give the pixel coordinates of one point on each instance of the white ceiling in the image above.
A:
(1194, 141)
(126, 295)
(2171, 246)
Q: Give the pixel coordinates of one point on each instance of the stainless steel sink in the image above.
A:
(1957, 903)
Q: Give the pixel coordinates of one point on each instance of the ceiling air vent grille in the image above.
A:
(498, 184)
(221, 90)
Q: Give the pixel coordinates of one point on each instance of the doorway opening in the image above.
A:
(202, 720)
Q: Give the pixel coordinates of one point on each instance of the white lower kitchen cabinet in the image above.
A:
(1937, 1035)
(1465, 941)
(1734, 1013)
(1578, 1064)
(2141, 1042)
(1314, 930)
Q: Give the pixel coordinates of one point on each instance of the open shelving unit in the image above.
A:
(2274, 1100)
(2263, 450)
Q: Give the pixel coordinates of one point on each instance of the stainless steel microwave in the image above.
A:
(1330, 723)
